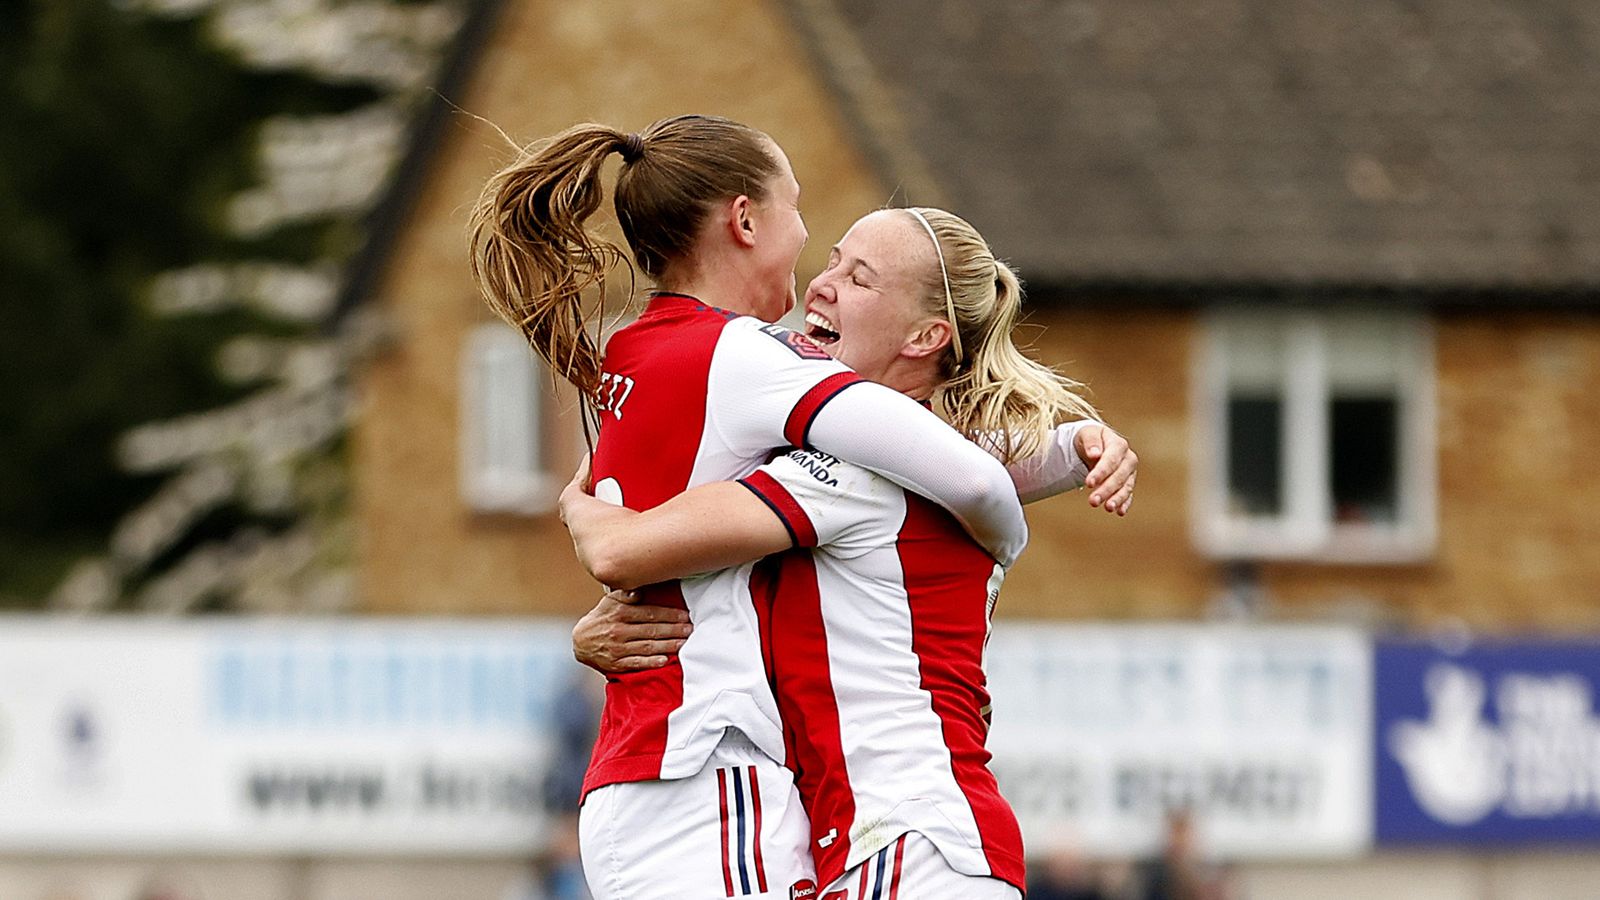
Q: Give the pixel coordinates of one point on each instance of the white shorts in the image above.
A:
(913, 868)
(734, 829)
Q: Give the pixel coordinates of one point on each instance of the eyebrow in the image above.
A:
(860, 262)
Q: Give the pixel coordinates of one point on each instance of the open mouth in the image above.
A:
(819, 329)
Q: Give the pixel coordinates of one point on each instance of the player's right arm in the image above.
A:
(803, 499)
(703, 529)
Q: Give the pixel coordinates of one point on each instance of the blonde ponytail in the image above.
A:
(995, 394)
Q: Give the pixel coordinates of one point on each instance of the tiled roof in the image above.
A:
(1388, 142)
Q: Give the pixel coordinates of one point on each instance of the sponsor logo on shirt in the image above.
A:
(817, 465)
(798, 344)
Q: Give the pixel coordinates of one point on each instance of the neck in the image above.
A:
(715, 282)
(916, 378)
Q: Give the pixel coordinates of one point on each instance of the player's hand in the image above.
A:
(623, 635)
(1114, 467)
(579, 486)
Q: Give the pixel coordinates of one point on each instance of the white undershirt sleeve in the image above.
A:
(1056, 468)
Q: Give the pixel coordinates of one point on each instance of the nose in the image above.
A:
(818, 288)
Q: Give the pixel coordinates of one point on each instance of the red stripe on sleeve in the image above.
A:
(811, 403)
(755, 802)
(722, 791)
(783, 503)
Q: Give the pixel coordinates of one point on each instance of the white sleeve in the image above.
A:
(766, 382)
(895, 436)
(826, 502)
(1055, 468)
(772, 387)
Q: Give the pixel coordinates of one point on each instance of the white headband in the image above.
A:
(949, 301)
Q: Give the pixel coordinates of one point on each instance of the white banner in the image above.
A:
(309, 737)
(397, 737)
(1263, 734)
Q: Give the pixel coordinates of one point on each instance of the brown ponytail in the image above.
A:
(995, 393)
(532, 257)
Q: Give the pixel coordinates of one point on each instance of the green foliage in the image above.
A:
(123, 137)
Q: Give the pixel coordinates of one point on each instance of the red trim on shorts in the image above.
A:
(781, 502)
(862, 892)
(722, 792)
(805, 411)
(755, 802)
(899, 855)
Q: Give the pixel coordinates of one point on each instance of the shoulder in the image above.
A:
(767, 338)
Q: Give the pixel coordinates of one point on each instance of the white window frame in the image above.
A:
(504, 464)
(1305, 530)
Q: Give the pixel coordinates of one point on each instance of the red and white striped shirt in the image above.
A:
(691, 394)
(876, 649)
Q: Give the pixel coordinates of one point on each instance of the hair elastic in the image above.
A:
(949, 300)
(632, 146)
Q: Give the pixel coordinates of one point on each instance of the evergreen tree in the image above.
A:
(180, 181)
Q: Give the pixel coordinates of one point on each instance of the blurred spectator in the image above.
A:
(1179, 873)
(577, 721)
(1063, 874)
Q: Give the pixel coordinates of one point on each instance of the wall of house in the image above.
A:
(1519, 489)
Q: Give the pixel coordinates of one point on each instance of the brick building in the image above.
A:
(1333, 269)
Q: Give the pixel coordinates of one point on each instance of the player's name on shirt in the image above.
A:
(613, 393)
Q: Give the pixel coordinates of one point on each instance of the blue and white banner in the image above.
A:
(1495, 742)
(1261, 733)
(315, 737)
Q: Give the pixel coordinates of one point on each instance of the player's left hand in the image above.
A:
(1114, 467)
(623, 635)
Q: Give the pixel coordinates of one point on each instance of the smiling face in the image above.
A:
(868, 302)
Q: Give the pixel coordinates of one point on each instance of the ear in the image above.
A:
(741, 223)
(929, 339)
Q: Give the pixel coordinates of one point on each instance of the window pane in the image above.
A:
(1255, 428)
(1364, 434)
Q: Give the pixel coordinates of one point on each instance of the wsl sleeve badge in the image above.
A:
(798, 344)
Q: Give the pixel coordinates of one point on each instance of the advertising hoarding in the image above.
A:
(1261, 733)
(1489, 743)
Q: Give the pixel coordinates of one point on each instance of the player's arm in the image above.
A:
(891, 434)
(704, 529)
(1063, 464)
(771, 387)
